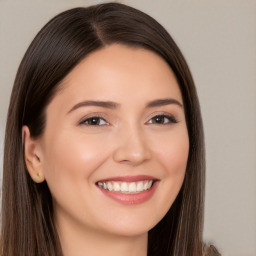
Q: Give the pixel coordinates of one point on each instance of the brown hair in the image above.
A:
(27, 214)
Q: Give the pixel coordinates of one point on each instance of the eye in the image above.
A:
(94, 121)
(162, 119)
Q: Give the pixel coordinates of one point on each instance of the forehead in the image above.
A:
(121, 71)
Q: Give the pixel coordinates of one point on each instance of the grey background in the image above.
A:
(218, 39)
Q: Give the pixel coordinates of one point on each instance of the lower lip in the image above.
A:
(131, 199)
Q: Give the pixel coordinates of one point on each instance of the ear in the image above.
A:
(32, 155)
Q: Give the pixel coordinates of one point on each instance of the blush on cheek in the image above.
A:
(175, 158)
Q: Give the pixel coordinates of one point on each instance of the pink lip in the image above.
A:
(131, 199)
(130, 178)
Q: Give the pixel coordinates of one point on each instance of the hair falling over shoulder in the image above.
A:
(28, 226)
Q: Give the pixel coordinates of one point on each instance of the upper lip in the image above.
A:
(129, 178)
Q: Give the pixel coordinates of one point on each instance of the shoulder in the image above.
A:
(210, 250)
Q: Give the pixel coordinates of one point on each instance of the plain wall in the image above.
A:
(218, 39)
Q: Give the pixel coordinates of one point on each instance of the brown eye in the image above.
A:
(96, 121)
(162, 119)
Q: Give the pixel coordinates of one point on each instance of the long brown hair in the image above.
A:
(27, 213)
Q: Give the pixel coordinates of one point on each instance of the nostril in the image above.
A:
(130, 156)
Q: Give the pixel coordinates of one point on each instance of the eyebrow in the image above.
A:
(103, 104)
(163, 102)
(113, 105)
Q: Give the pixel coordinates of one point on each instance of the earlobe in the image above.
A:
(32, 156)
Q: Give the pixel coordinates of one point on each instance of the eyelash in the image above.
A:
(95, 119)
(163, 118)
(167, 119)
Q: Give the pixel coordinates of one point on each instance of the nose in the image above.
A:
(132, 147)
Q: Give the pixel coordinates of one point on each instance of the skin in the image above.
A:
(73, 154)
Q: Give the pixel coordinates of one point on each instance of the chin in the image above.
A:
(132, 225)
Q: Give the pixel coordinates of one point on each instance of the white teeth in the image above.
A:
(116, 187)
(109, 186)
(140, 186)
(126, 187)
(132, 187)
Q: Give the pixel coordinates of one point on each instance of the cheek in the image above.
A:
(72, 158)
(173, 152)
(173, 156)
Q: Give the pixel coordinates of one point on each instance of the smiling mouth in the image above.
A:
(126, 187)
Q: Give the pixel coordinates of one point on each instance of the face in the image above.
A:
(115, 147)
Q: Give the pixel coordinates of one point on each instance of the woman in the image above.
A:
(105, 128)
